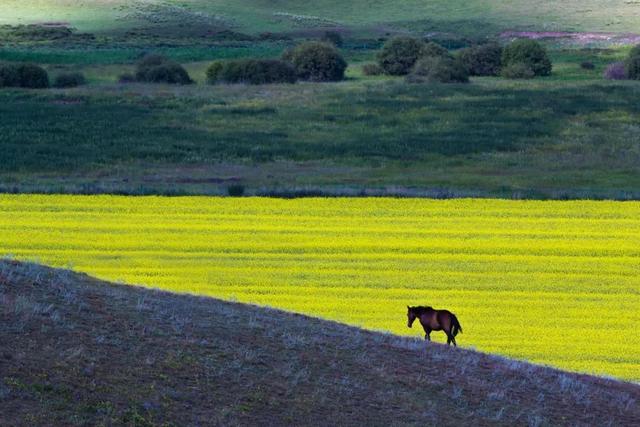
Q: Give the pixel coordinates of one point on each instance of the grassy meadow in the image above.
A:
(551, 282)
(469, 16)
(572, 135)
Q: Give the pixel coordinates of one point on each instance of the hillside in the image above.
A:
(469, 16)
(78, 351)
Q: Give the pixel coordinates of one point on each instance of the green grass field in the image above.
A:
(550, 282)
(470, 17)
(571, 135)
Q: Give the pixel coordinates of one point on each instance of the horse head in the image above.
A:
(411, 316)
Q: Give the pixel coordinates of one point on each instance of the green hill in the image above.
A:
(468, 16)
(76, 351)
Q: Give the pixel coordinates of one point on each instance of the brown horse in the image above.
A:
(435, 320)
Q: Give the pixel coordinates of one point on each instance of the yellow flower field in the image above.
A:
(551, 282)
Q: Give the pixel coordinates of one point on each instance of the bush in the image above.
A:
(632, 68)
(400, 54)
(587, 65)
(168, 73)
(433, 49)
(235, 190)
(23, 75)
(287, 55)
(372, 70)
(530, 53)
(9, 75)
(632, 64)
(635, 51)
(483, 60)
(441, 69)
(251, 71)
(214, 72)
(517, 71)
(334, 38)
(318, 62)
(616, 71)
(33, 76)
(158, 69)
(69, 80)
(126, 78)
(34, 32)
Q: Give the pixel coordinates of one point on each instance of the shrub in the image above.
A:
(334, 38)
(635, 51)
(23, 75)
(318, 62)
(441, 69)
(69, 80)
(251, 71)
(158, 69)
(235, 190)
(372, 70)
(632, 68)
(214, 72)
(616, 71)
(33, 76)
(517, 71)
(287, 55)
(632, 64)
(9, 75)
(400, 54)
(152, 60)
(168, 73)
(587, 65)
(34, 32)
(530, 53)
(482, 60)
(126, 78)
(433, 49)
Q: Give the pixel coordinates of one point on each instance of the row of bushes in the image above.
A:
(322, 62)
(251, 71)
(418, 59)
(311, 61)
(35, 77)
(23, 75)
(159, 69)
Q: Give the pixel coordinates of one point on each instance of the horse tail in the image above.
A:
(456, 327)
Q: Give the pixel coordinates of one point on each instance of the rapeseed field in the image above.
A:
(547, 281)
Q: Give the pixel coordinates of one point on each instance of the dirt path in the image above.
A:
(577, 38)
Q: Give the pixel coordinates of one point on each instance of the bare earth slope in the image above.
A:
(77, 351)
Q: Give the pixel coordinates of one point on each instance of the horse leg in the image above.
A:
(428, 334)
(450, 337)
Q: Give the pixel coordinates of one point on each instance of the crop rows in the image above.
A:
(551, 282)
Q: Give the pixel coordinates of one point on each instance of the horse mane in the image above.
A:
(420, 309)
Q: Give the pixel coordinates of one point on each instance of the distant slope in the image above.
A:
(77, 351)
(282, 15)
